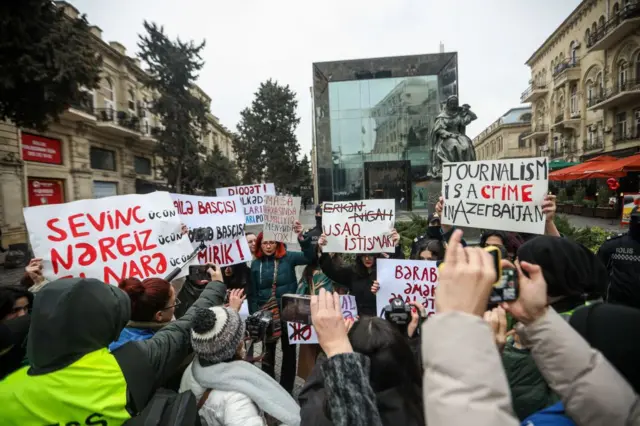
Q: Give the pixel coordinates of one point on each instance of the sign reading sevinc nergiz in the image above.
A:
(505, 195)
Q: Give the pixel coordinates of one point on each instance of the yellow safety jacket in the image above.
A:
(91, 391)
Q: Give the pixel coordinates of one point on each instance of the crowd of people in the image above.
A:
(78, 352)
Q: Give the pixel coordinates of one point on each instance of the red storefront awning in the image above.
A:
(566, 173)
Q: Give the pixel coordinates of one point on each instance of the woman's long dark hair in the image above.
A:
(393, 364)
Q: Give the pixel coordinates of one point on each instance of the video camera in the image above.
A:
(259, 326)
(398, 313)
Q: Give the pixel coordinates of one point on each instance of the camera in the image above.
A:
(199, 272)
(398, 313)
(199, 234)
(259, 325)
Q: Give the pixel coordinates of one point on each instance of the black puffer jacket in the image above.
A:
(357, 279)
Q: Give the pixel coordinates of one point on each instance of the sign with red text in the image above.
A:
(110, 238)
(409, 280)
(220, 222)
(40, 149)
(506, 195)
(252, 197)
(45, 191)
(280, 214)
(304, 334)
(358, 226)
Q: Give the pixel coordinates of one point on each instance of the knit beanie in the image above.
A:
(216, 334)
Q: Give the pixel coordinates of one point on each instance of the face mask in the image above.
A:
(434, 231)
(318, 221)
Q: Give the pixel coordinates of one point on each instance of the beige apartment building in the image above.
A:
(585, 84)
(504, 138)
(102, 146)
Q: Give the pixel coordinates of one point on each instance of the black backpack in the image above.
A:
(148, 406)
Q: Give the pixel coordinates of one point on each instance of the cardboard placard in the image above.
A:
(358, 226)
(410, 280)
(280, 214)
(252, 197)
(303, 334)
(506, 195)
(223, 218)
(109, 238)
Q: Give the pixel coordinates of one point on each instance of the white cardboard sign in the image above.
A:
(505, 195)
(252, 197)
(303, 334)
(358, 226)
(410, 280)
(280, 215)
(110, 238)
(223, 219)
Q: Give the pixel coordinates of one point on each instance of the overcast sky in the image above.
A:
(249, 41)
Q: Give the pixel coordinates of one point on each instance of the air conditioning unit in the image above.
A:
(607, 129)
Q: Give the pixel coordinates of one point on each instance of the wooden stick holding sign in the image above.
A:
(280, 215)
(503, 194)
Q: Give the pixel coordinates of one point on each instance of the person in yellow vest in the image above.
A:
(72, 378)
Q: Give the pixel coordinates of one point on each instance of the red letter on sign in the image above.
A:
(526, 193)
(62, 235)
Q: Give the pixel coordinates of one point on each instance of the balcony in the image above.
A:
(566, 71)
(149, 133)
(539, 132)
(621, 94)
(82, 109)
(534, 92)
(570, 122)
(118, 123)
(596, 143)
(616, 29)
(555, 153)
(624, 134)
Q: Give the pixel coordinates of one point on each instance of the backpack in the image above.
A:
(148, 406)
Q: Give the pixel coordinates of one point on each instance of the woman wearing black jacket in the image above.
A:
(359, 278)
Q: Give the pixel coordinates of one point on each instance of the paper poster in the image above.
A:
(252, 198)
(219, 221)
(280, 214)
(506, 195)
(303, 334)
(109, 238)
(358, 226)
(410, 280)
(629, 201)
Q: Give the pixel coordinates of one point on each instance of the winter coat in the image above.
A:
(262, 270)
(357, 279)
(550, 416)
(529, 391)
(314, 403)
(463, 387)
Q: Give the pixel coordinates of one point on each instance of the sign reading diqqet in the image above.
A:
(109, 238)
(252, 197)
(359, 226)
(223, 220)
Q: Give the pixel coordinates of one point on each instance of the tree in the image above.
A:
(302, 177)
(218, 172)
(172, 68)
(47, 58)
(267, 148)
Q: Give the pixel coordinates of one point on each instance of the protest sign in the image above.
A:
(358, 226)
(280, 215)
(409, 280)
(109, 238)
(303, 334)
(220, 221)
(252, 197)
(503, 194)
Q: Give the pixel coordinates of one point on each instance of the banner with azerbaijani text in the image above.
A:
(280, 215)
(223, 219)
(409, 280)
(110, 238)
(252, 197)
(506, 195)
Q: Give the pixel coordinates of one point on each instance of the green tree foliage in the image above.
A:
(301, 176)
(266, 147)
(218, 172)
(46, 58)
(173, 66)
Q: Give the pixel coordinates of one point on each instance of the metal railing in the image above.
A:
(565, 65)
(625, 134)
(559, 118)
(531, 88)
(121, 118)
(84, 104)
(540, 128)
(593, 144)
(630, 11)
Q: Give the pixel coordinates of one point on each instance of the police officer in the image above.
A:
(316, 231)
(621, 256)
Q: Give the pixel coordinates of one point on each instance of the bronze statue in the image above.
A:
(448, 140)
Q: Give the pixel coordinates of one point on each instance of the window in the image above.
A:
(142, 165)
(636, 113)
(132, 99)
(587, 35)
(104, 189)
(574, 53)
(574, 101)
(621, 125)
(601, 22)
(103, 159)
(622, 75)
(589, 93)
(108, 89)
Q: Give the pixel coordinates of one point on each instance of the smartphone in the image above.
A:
(497, 262)
(296, 308)
(199, 272)
(508, 289)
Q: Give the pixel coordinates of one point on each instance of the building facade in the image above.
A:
(585, 84)
(371, 125)
(505, 138)
(100, 147)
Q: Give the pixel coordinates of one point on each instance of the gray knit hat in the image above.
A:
(216, 333)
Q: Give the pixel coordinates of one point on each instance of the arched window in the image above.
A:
(638, 68)
(622, 74)
(594, 28)
(132, 99)
(590, 92)
(615, 10)
(599, 84)
(587, 36)
(574, 101)
(601, 22)
(109, 93)
(574, 53)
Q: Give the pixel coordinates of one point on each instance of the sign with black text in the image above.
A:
(252, 197)
(280, 215)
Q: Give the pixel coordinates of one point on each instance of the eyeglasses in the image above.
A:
(268, 243)
(178, 302)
